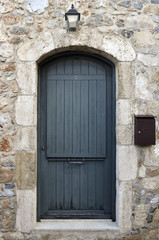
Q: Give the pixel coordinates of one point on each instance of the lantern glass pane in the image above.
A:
(72, 20)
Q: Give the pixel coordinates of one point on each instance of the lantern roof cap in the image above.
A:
(72, 11)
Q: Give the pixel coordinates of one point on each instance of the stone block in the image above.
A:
(156, 19)
(25, 110)
(125, 135)
(11, 20)
(5, 122)
(3, 37)
(95, 42)
(144, 22)
(119, 48)
(8, 204)
(135, 237)
(25, 139)
(31, 51)
(14, 87)
(156, 216)
(26, 210)
(153, 159)
(127, 33)
(155, 76)
(36, 6)
(61, 39)
(18, 30)
(9, 68)
(153, 108)
(152, 9)
(138, 5)
(152, 235)
(4, 87)
(142, 88)
(142, 171)
(140, 215)
(25, 170)
(150, 183)
(155, 1)
(6, 50)
(124, 112)
(124, 80)
(127, 163)
(5, 145)
(148, 60)
(124, 197)
(6, 175)
(3, 102)
(125, 3)
(7, 192)
(153, 173)
(98, 19)
(144, 38)
(6, 6)
(16, 40)
(26, 78)
(157, 36)
(7, 221)
(30, 20)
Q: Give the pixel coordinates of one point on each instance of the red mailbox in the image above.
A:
(145, 130)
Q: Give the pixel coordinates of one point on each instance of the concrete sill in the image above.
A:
(67, 225)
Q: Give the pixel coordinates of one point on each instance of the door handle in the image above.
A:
(43, 148)
(76, 162)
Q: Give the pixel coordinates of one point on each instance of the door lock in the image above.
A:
(43, 148)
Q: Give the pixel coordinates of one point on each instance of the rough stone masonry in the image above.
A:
(127, 33)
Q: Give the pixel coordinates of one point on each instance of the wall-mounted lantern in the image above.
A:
(72, 17)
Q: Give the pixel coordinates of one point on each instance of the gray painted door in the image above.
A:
(76, 138)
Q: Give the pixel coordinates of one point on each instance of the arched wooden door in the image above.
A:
(76, 137)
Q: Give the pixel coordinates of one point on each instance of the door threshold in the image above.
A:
(76, 224)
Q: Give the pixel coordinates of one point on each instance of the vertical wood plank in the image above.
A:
(91, 197)
(84, 67)
(53, 185)
(51, 117)
(68, 117)
(60, 186)
(68, 67)
(92, 68)
(60, 118)
(99, 176)
(84, 117)
(83, 186)
(92, 117)
(67, 186)
(60, 67)
(100, 69)
(52, 69)
(75, 187)
(101, 117)
(107, 187)
(76, 117)
(76, 66)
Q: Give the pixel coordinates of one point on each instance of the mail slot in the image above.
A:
(145, 130)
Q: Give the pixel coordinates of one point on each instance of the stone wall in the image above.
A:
(127, 33)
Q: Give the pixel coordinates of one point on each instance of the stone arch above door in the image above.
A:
(114, 48)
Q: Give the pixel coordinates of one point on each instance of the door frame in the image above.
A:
(113, 120)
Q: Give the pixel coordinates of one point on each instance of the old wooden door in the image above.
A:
(76, 138)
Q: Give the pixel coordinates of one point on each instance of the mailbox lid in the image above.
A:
(145, 130)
